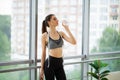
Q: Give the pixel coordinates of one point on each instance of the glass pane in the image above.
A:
(73, 72)
(104, 26)
(38, 74)
(116, 62)
(113, 66)
(19, 75)
(14, 30)
(72, 13)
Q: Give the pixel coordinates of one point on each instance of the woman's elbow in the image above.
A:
(74, 42)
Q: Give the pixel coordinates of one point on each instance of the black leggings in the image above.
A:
(55, 69)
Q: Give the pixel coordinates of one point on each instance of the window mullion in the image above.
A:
(33, 39)
(85, 38)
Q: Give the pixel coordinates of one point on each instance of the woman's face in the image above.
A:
(53, 21)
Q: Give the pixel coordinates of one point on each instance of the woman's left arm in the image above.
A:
(69, 38)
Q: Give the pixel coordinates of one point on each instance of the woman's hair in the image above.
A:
(45, 23)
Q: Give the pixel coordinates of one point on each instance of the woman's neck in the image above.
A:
(53, 30)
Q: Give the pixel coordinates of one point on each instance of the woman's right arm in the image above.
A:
(43, 56)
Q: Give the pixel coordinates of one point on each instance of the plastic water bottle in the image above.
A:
(64, 22)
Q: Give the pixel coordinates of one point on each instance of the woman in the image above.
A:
(53, 65)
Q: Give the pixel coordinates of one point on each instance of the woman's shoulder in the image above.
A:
(61, 33)
(44, 35)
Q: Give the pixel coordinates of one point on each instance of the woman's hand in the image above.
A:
(65, 24)
(41, 74)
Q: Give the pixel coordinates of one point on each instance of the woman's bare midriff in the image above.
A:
(57, 52)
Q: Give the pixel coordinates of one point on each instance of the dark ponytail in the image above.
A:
(44, 26)
(45, 23)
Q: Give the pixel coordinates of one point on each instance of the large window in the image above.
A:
(14, 30)
(94, 23)
(20, 75)
(14, 36)
(104, 31)
(104, 26)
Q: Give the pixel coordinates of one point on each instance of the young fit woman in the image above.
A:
(53, 66)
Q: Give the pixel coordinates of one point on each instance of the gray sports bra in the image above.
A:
(52, 44)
